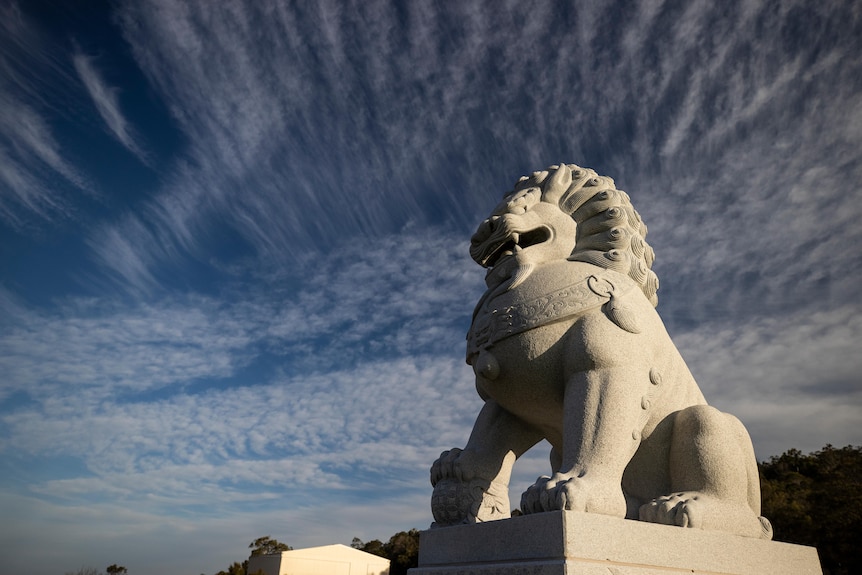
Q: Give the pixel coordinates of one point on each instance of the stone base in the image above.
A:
(570, 543)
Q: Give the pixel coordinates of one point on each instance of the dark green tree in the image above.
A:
(116, 569)
(261, 546)
(402, 550)
(267, 546)
(816, 500)
(375, 546)
(85, 571)
(235, 569)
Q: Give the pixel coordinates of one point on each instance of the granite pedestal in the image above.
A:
(571, 543)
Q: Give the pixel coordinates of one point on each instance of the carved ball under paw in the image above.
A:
(450, 502)
(456, 502)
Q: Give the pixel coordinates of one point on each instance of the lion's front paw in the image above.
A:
(444, 466)
(462, 493)
(572, 493)
(553, 493)
(453, 464)
(531, 499)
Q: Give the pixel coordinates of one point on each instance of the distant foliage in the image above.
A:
(375, 546)
(267, 546)
(235, 569)
(112, 570)
(816, 500)
(85, 571)
(402, 550)
(261, 546)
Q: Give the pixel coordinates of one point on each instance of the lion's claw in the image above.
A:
(531, 499)
(446, 466)
(572, 493)
(459, 464)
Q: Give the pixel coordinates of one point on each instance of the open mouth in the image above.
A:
(515, 243)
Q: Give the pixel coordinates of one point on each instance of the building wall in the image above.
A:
(329, 560)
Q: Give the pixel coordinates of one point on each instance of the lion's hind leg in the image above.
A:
(713, 474)
(472, 485)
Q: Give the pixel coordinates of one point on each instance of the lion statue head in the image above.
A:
(567, 212)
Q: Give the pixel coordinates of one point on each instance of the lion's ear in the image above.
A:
(557, 184)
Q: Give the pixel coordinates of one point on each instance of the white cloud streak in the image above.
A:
(106, 100)
(31, 159)
(305, 126)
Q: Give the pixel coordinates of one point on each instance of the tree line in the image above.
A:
(402, 550)
(816, 500)
(113, 569)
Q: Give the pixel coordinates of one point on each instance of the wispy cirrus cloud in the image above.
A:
(282, 434)
(161, 406)
(106, 100)
(322, 123)
(403, 294)
(36, 176)
(97, 348)
(347, 115)
(30, 158)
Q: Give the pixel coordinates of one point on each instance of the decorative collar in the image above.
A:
(492, 324)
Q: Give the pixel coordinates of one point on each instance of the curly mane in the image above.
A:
(610, 233)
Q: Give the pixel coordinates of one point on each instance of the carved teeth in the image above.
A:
(515, 237)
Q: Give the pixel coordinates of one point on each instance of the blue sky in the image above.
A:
(234, 279)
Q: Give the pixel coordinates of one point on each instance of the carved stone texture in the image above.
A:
(567, 346)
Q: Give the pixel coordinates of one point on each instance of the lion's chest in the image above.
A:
(529, 377)
(519, 345)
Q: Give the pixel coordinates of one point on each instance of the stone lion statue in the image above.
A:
(567, 346)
